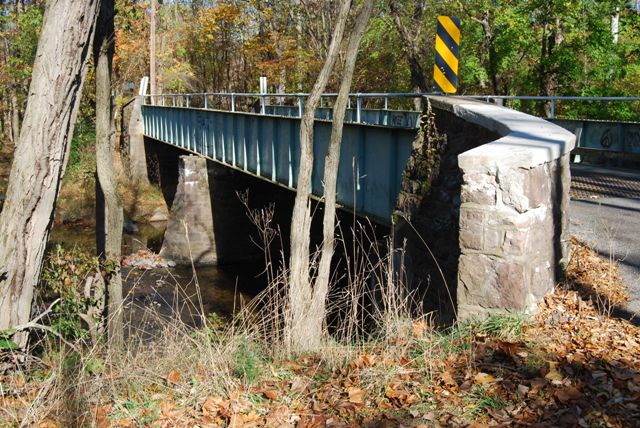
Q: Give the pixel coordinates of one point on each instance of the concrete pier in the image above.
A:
(190, 233)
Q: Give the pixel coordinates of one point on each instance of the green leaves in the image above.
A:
(6, 344)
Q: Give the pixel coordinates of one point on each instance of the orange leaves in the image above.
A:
(271, 394)
(594, 277)
(356, 395)
(566, 394)
(364, 360)
(252, 419)
(300, 384)
(215, 409)
(279, 416)
(484, 378)
(419, 328)
(173, 377)
(169, 411)
(400, 395)
(447, 378)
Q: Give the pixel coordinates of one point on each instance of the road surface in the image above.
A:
(605, 214)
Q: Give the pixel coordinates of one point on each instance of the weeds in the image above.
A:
(479, 401)
(509, 326)
(247, 359)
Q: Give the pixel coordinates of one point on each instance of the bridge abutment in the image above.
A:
(205, 196)
(513, 228)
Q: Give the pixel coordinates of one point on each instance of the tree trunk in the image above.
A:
(109, 216)
(42, 152)
(15, 115)
(300, 289)
(409, 37)
(317, 311)
(152, 50)
(552, 37)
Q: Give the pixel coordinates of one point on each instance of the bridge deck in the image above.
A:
(373, 156)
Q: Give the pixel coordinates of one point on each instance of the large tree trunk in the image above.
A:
(109, 216)
(300, 290)
(152, 50)
(317, 311)
(42, 152)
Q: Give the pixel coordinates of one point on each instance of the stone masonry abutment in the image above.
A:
(491, 230)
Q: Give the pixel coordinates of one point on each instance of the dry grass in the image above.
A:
(507, 370)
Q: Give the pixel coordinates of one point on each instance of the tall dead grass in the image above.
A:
(190, 352)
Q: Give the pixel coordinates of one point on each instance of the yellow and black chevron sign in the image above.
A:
(445, 70)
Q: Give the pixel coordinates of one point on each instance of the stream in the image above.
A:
(155, 295)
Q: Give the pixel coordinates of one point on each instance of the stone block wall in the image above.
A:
(513, 234)
(513, 224)
(427, 215)
(494, 217)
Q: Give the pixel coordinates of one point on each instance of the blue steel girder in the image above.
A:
(372, 158)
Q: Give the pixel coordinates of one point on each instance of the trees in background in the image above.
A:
(508, 47)
(20, 25)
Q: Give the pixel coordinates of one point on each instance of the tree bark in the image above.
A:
(317, 311)
(42, 151)
(152, 50)
(109, 215)
(300, 289)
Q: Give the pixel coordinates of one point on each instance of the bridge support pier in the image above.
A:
(190, 233)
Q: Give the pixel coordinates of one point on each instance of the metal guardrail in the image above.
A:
(551, 98)
(185, 99)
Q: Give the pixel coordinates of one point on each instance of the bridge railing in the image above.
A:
(358, 102)
(292, 105)
(267, 146)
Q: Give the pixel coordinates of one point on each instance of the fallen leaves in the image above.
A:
(483, 378)
(355, 394)
(173, 377)
(271, 394)
(594, 277)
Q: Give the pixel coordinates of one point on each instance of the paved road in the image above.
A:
(605, 214)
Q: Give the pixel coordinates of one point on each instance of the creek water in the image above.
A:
(156, 294)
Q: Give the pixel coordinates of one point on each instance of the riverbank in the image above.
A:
(570, 365)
